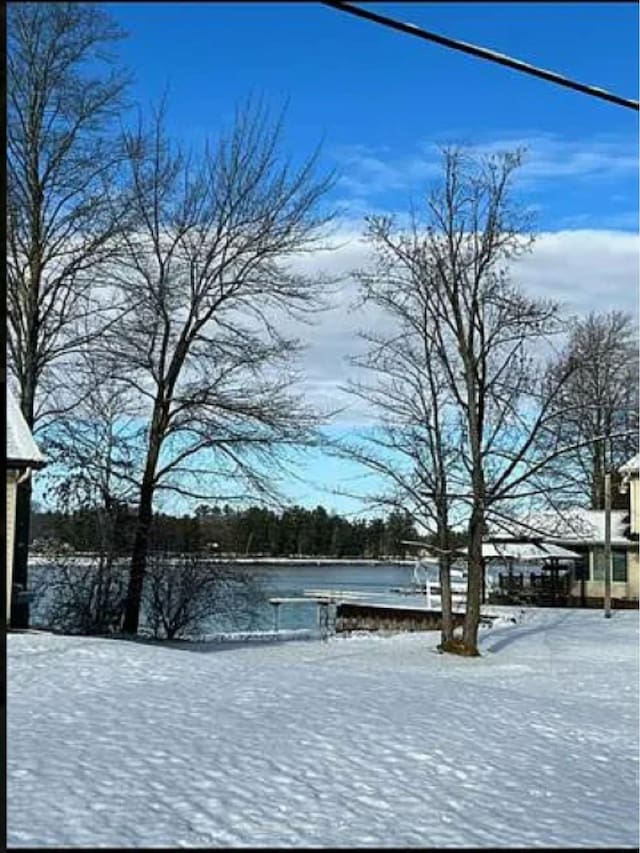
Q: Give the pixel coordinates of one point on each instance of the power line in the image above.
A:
(484, 53)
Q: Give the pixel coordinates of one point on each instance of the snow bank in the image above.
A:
(367, 741)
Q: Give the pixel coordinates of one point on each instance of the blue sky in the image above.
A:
(381, 100)
(373, 93)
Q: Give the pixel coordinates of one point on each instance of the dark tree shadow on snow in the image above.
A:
(517, 633)
(216, 645)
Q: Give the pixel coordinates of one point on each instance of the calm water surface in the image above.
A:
(371, 582)
(368, 582)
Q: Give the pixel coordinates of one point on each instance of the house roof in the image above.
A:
(574, 526)
(22, 451)
(632, 466)
(523, 552)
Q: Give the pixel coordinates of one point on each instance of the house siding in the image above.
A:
(633, 573)
(633, 565)
(12, 479)
(621, 590)
(634, 499)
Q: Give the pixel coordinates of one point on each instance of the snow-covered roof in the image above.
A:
(22, 451)
(574, 526)
(632, 466)
(527, 551)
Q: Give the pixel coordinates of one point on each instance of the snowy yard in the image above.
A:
(366, 741)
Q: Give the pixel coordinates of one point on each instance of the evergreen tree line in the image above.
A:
(254, 531)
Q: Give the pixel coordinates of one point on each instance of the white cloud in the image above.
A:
(366, 173)
(549, 157)
(585, 270)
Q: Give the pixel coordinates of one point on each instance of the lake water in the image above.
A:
(371, 581)
(374, 583)
(368, 582)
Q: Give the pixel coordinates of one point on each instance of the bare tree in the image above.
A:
(183, 595)
(486, 346)
(60, 172)
(96, 448)
(414, 446)
(205, 272)
(95, 452)
(600, 401)
(80, 595)
(61, 161)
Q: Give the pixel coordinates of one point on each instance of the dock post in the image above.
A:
(276, 615)
(322, 614)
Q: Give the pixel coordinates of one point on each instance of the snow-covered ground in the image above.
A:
(365, 741)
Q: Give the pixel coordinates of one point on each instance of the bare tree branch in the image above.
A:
(205, 272)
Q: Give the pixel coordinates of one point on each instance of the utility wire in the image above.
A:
(483, 53)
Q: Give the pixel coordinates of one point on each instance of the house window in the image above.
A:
(581, 568)
(597, 566)
(618, 568)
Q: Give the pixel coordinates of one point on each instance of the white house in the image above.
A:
(589, 540)
(582, 531)
(22, 457)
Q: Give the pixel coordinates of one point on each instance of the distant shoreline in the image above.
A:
(257, 561)
(314, 561)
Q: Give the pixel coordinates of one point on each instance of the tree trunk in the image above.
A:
(477, 398)
(138, 563)
(445, 598)
(597, 478)
(445, 573)
(474, 582)
(20, 610)
(22, 521)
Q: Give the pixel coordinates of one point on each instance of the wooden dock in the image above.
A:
(344, 611)
(359, 616)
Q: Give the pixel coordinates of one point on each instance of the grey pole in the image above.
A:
(607, 546)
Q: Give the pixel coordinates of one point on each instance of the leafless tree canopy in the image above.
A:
(61, 163)
(184, 595)
(462, 381)
(205, 271)
(94, 450)
(601, 399)
(80, 595)
(415, 444)
(64, 91)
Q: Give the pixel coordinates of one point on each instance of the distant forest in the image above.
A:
(254, 531)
